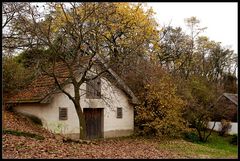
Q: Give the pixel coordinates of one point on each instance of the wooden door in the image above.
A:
(94, 124)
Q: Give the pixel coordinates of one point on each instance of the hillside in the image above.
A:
(53, 146)
(18, 122)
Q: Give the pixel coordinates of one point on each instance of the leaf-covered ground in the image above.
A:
(21, 147)
(53, 146)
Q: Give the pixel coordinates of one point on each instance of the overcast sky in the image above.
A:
(219, 18)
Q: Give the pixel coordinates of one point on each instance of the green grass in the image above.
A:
(216, 147)
(25, 134)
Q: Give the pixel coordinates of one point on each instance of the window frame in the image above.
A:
(119, 112)
(60, 113)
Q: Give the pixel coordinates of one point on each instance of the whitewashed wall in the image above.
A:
(112, 98)
(233, 130)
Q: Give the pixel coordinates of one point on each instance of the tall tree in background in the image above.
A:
(199, 67)
(10, 39)
(193, 24)
(188, 55)
(172, 49)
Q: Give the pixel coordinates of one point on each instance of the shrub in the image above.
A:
(160, 112)
(200, 95)
(191, 136)
(225, 127)
(15, 76)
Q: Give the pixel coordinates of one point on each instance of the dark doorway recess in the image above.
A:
(94, 122)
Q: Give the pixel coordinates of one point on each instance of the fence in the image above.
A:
(233, 130)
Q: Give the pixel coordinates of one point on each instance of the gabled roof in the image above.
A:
(232, 97)
(43, 87)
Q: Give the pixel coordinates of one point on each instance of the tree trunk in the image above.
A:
(200, 135)
(82, 122)
(210, 131)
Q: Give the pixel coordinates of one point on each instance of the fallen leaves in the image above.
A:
(122, 148)
(22, 147)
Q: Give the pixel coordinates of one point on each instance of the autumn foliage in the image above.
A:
(160, 111)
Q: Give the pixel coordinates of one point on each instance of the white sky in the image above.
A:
(219, 18)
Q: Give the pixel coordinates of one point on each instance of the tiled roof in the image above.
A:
(40, 87)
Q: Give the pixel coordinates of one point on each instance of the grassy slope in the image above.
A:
(216, 147)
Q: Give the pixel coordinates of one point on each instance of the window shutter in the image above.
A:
(119, 112)
(98, 88)
(62, 113)
(88, 89)
(93, 89)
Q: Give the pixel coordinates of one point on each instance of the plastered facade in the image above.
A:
(112, 97)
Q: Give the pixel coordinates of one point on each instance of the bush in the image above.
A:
(160, 112)
(225, 127)
(234, 140)
(200, 95)
(15, 76)
(191, 136)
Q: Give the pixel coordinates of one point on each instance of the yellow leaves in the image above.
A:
(60, 17)
(136, 17)
(163, 108)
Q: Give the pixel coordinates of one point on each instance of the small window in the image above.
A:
(62, 113)
(119, 112)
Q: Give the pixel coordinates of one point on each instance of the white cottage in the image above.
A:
(108, 111)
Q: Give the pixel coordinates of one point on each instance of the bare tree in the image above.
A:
(193, 24)
(10, 12)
